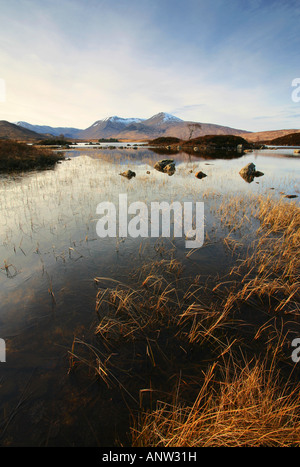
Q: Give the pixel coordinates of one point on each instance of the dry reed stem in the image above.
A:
(248, 407)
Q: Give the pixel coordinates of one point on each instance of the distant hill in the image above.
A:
(14, 132)
(292, 139)
(263, 136)
(159, 125)
(68, 132)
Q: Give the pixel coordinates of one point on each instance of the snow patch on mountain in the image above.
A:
(126, 121)
(162, 118)
(170, 118)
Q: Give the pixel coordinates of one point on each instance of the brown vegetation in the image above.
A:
(292, 139)
(164, 140)
(217, 141)
(250, 406)
(20, 156)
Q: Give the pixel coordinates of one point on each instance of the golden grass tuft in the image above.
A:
(248, 407)
(270, 270)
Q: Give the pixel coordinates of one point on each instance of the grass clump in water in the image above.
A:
(248, 406)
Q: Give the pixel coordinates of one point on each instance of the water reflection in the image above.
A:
(50, 255)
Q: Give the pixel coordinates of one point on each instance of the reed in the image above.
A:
(210, 353)
(249, 406)
(269, 272)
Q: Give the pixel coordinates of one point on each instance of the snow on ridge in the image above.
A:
(169, 117)
(117, 119)
(23, 124)
(164, 117)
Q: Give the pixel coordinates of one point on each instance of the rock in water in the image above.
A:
(249, 169)
(128, 174)
(166, 166)
(249, 172)
(170, 169)
(200, 174)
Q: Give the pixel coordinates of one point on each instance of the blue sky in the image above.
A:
(70, 63)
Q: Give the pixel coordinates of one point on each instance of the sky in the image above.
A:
(72, 62)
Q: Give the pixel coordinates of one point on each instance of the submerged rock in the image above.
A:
(249, 172)
(128, 174)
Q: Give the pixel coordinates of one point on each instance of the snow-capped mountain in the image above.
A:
(161, 124)
(162, 118)
(118, 123)
(125, 121)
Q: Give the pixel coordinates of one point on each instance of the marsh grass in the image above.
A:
(214, 351)
(269, 271)
(241, 406)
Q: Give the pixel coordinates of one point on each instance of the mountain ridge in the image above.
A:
(12, 131)
(68, 132)
(161, 124)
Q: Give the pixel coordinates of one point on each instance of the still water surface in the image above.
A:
(50, 255)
